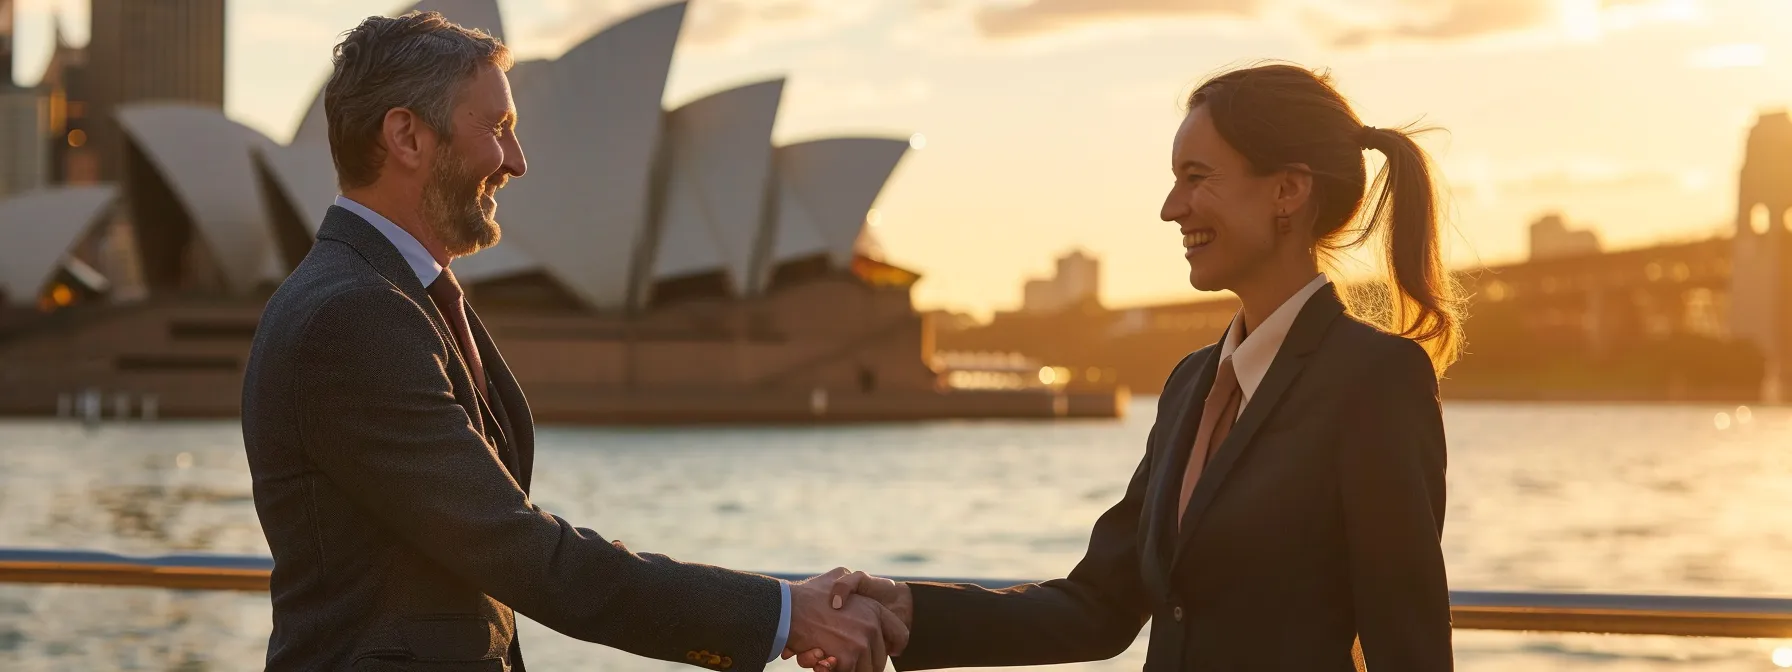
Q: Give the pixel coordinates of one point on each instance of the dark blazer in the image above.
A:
(1316, 521)
(395, 499)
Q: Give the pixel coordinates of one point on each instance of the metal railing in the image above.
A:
(1679, 615)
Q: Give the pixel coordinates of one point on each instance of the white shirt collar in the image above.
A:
(1252, 357)
(419, 258)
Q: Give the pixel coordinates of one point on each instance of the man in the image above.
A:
(392, 449)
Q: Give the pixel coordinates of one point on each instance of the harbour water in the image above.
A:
(1610, 498)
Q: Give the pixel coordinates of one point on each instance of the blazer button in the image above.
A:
(1176, 614)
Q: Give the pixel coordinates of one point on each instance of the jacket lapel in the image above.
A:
(1303, 338)
(348, 228)
(1181, 417)
(507, 402)
(1167, 482)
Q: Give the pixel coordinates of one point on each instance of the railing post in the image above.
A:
(90, 406)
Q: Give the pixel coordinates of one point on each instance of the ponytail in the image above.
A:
(1420, 294)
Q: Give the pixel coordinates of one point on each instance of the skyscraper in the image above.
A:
(23, 166)
(6, 41)
(151, 50)
(68, 87)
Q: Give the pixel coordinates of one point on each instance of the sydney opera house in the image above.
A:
(656, 265)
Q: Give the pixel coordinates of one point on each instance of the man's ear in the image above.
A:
(406, 138)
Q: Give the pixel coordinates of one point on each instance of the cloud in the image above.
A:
(1723, 56)
(821, 98)
(1341, 24)
(1670, 5)
(720, 21)
(1454, 20)
(1570, 181)
(1625, 14)
(1443, 21)
(1046, 16)
(708, 23)
(1480, 180)
(1338, 23)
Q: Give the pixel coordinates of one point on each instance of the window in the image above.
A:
(1759, 218)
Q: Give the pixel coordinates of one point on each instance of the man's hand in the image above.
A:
(893, 596)
(857, 635)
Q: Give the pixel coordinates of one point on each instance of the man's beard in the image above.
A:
(454, 206)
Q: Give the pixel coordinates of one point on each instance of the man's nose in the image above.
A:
(514, 163)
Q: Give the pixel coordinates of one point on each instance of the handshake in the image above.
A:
(845, 621)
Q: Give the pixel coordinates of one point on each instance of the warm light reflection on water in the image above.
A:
(1612, 498)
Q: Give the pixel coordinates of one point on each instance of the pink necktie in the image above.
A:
(1217, 415)
(447, 294)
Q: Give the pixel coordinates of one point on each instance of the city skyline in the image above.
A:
(1047, 125)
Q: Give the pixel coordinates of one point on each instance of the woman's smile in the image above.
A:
(1194, 240)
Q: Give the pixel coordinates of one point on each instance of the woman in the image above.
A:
(1291, 497)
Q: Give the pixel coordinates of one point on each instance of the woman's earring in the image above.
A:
(1283, 225)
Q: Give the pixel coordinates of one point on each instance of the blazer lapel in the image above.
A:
(1303, 338)
(1172, 458)
(507, 402)
(1168, 480)
(348, 228)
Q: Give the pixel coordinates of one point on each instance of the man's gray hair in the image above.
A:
(419, 62)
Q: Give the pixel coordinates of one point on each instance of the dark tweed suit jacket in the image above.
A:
(1316, 521)
(396, 503)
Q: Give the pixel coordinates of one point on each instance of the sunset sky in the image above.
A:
(1048, 122)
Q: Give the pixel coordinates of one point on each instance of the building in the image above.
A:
(151, 50)
(23, 166)
(657, 266)
(73, 157)
(23, 122)
(1551, 239)
(1077, 282)
(7, 18)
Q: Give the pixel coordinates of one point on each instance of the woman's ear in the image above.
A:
(1294, 187)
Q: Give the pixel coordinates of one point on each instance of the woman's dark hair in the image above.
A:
(1278, 115)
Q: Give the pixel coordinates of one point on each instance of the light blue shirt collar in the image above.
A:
(422, 263)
